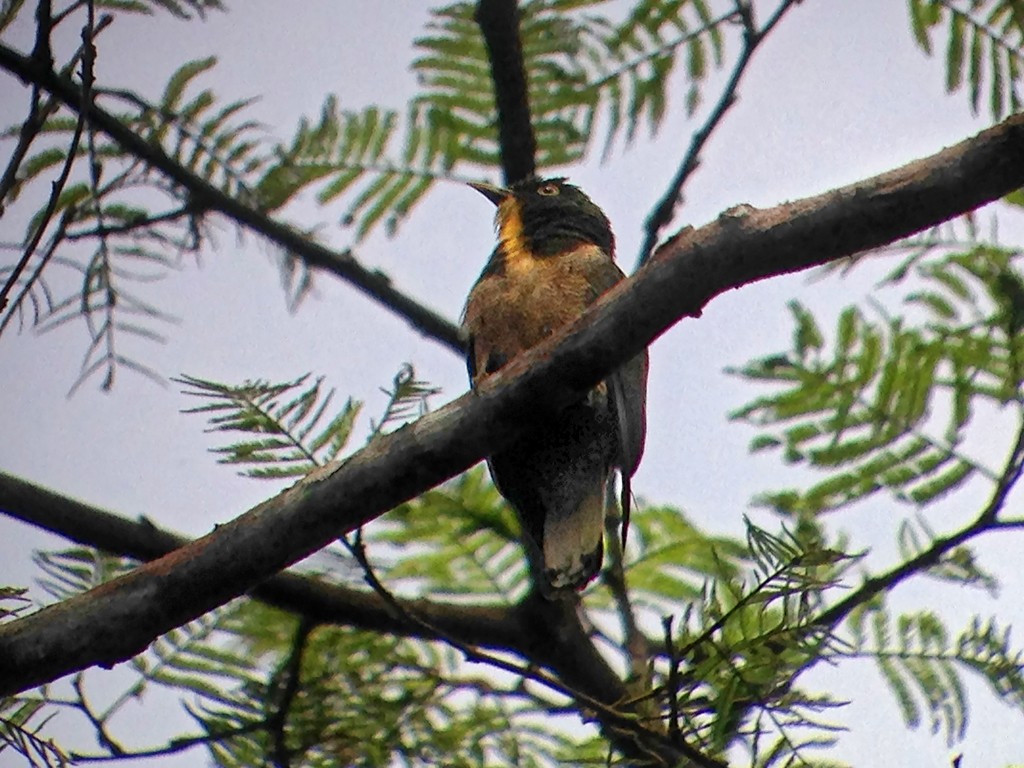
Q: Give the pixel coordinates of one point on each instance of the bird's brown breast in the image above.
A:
(517, 305)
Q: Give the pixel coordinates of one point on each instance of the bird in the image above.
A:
(555, 257)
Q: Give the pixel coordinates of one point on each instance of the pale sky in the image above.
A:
(838, 93)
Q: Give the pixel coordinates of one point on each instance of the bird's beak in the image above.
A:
(491, 192)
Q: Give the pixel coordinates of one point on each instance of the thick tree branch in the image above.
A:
(205, 196)
(545, 635)
(313, 599)
(118, 619)
(499, 23)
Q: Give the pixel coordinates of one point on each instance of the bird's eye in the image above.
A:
(548, 190)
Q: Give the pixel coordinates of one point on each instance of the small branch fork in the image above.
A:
(42, 56)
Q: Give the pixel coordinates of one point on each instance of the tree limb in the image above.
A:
(499, 23)
(318, 601)
(546, 636)
(120, 618)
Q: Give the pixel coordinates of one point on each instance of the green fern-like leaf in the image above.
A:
(408, 398)
(289, 437)
(181, 9)
(635, 58)
(13, 602)
(855, 414)
(355, 154)
(860, 408)
(984, 42)
(465, 537)
(22, 719)
(985, 648)
(745, 639)
(669, 559)
(921, 663)
(131, 244)
(70, 572)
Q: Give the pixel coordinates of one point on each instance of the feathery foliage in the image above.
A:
(466, 541)
(723, 630)
(984, 47)
(737, 651)
(120, 226)
(122, 229)
(291, 437)
(297, 435)
(922, 664)
(888, 406)
(866, 411)
(21, 719)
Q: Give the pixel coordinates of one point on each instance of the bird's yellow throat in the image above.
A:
(518, 257)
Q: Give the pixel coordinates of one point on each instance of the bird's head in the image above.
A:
(547, 217)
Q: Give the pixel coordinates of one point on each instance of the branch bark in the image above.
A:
(118, 619)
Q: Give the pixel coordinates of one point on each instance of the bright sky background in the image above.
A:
(838, 93)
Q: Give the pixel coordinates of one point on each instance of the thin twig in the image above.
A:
(614, 577)
(661, 50)
(673, 680)
(28, 133)
(128, 227)
(174, 746)
(97, 723)
(986, 521)
(39, 113)
(51, 208)
(664, 209)
(291, 675)
(41, 53)
(103, 258)
(34, 278)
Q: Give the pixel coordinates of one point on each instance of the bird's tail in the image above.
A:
(573, 548)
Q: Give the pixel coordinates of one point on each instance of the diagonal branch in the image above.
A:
(118, 619)
(499, 23)
(664, 210)
(317, 601)
(205, 196)
(545, 635)
(987, 520)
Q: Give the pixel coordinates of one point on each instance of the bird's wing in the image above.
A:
(627, 392)
(471, 358)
